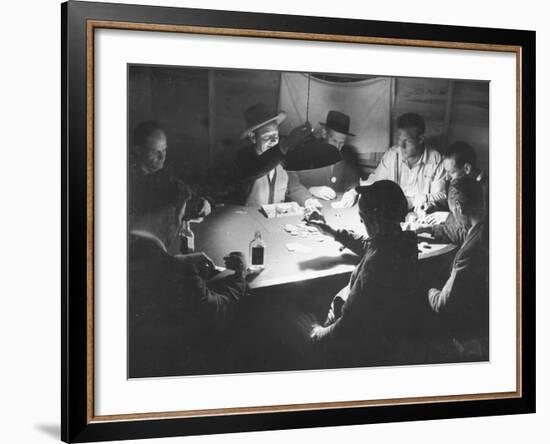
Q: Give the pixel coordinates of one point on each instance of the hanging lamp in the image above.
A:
(313, 153)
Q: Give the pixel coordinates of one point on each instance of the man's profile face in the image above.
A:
(368, 218)
(266, 137)
(409, 142)
(154, 152)
(452, 170)
(335, 138)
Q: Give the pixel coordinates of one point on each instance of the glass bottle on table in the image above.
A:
(187, 239)
(257, 252)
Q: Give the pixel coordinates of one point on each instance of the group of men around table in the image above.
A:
(178, 313)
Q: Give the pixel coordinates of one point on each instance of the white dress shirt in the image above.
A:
(424, 182)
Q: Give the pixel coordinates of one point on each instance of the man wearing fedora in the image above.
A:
(260, 177)
(324, 183)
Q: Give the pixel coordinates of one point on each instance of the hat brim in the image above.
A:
(338, 131)
(279, 118)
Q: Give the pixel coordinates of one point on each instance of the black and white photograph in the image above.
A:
(289, 221)
(265, 222)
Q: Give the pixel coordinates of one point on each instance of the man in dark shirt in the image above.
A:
(324, 183)
(147, 171)
(459, 161)
(463, 301)
(371, 320)
(177, 316)
(260, 178)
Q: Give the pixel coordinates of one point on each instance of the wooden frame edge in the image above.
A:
(91, 25)
(236, 32)
(302, 407)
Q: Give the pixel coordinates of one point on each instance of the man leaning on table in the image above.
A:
(372, 319)
(463, 301)
(459, 161)
(178, 316)
(416, 167)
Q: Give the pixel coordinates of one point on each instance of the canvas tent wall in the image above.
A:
(202, 110)
(367, 102)
(453, 109)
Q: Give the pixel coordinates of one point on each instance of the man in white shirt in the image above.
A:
(414, 166)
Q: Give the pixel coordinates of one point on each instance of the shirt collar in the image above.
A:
(422, 161)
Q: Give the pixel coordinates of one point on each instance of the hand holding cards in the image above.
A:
(316, 219)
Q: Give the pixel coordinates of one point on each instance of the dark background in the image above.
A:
(202, 112)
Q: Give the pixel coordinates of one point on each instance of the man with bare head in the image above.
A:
(411, 163)
(150, 145)
(148, 173)
(462, 302)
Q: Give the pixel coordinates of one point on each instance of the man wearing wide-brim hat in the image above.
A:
(260, 177)
(323, 183)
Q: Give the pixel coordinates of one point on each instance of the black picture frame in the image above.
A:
(77, 421)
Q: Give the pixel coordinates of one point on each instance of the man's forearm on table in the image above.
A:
(352, 241)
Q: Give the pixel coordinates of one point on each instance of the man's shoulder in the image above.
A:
(480, 233)
(142, 240)
(400, 245)
(145, 249)
(348, 154)
(348, 150)
(391, 153)
(433, 155)
(476, 243)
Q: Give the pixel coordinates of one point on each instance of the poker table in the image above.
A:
(289, 258)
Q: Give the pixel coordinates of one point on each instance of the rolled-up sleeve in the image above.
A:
(443, 301)
(438, 187)
(352, 241)
(449, 231)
